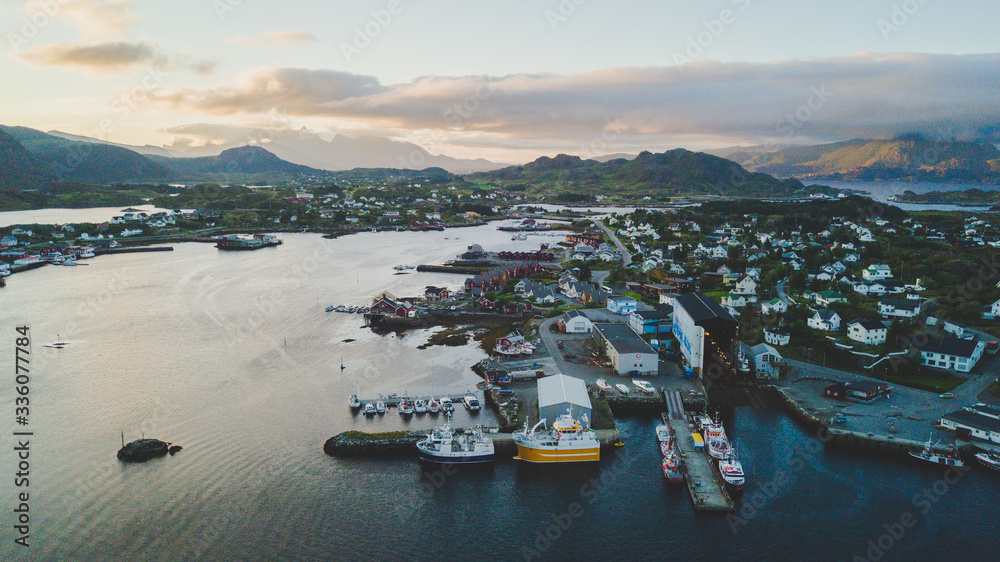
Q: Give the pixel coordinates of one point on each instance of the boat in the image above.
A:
(671, 467)
(419, 406)
(403, 267)
(715, 438)
(743, 364)
(355, 402)
(443, 445)
(405, 406)
(331, 308)
(234, 242)
(471, 402)
(622, 388)
(603, 384)
(369, 409)
(380, 407)
(433, 406)
(928, 454)
(731, 470)
(663, 433)
(644, 386)
(666, 447)
(718, 448)
(447, 405)
(989, 460)
(568, 440)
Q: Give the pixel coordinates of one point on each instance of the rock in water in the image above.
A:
(142, 450)
(174, 449)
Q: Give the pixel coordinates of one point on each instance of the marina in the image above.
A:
(703, 482)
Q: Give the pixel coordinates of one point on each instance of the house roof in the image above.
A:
(974, 419)
(826, 314)
(571, 314)
(762, 348)
(950, 346)
(868, 325)
(558, 389)
(904, 304)
(702, 308)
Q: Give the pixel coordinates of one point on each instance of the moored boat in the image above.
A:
(354, 402)
(671, 467)
(989, 460)
(447, 405)
(731, 470)
(621, 388)
(380, 407)
(405, 406)
(433, 407)
(471, 402)
(370, 409)
(951, 458)
(663, 433)
(568, 440)
(443, 445)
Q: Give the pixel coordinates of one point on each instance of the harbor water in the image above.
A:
(232, 356)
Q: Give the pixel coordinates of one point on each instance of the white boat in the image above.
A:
(719, 448)
(447, 405)
(663, 433)
(330, 308)
(419, 406)
(715, 439)
(403, 267)
(622, 388)
(644, 386)
(568, 440)
(471, 402)
(370, 409)
(87, 253)
(405, 406)
(354, 402)
(380, 407)
(433, 406)
(731, 470)
(603, 384)
(989, 460)
(444, 445)
(928, 454)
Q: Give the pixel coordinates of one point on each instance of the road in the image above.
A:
(780, 287)
(626, 257)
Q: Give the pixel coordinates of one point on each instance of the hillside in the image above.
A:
(673, 173)
(18, 168)
(85, 162)
(909, 158)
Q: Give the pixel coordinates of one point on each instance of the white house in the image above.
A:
(734, 300)
(952, 353)
(992, 311)
(778, 337)
(764, 356)
(869, 289)
(826, 320)
(745, 285)
(899, 308)
(574, 322)
(622, 304)
(876, 272)
(871, 332)
(774, 306)
(8, 241)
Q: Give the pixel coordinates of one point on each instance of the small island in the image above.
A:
(968, 197)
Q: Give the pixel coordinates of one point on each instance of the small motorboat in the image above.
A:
(433, 407)
(644, 386)
(622, 388)
(603, 384)
(354, 402)
(405, 407)
(989, 460)
(471, 402)
(380, 407)
(370, 409)
(419, 406)
(447, 405)
(663, 433)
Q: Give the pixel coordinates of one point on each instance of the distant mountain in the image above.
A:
(18, 168)
(242, 160)
(343, 152)
(147, 150)
(908, 158)
(676, 172)
(85, 162)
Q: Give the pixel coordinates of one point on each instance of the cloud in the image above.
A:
(861, 95)
(274, 38)
(92, 18)
(115, 56)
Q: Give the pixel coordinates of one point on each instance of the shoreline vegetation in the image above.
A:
(973, 197)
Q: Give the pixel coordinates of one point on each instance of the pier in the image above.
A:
(704, 484)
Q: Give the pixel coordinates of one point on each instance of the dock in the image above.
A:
(704, 484)
(394, 401)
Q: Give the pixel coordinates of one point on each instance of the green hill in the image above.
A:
(19, 170)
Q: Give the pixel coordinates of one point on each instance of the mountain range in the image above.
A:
(907, 158)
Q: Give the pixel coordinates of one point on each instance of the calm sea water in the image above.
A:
(232, 356)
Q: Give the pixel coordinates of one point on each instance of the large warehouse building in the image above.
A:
(706, 335)
(559, 393)
(626, 349)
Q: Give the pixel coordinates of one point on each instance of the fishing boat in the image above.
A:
(447, 405)
(405, 406)
(354, 402)
(419, 406)
(433, 407)
(928, 454)
(671, 467)
(471, 402)
(370, 409)
(622, 388)
(666, 447)
(644, 386)
(989, 460)
(603, 384)
(663, 433)
(568, 440)
(731, 470)
(444, 445)
(380, 407)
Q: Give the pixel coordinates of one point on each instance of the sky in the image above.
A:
(506, 81)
